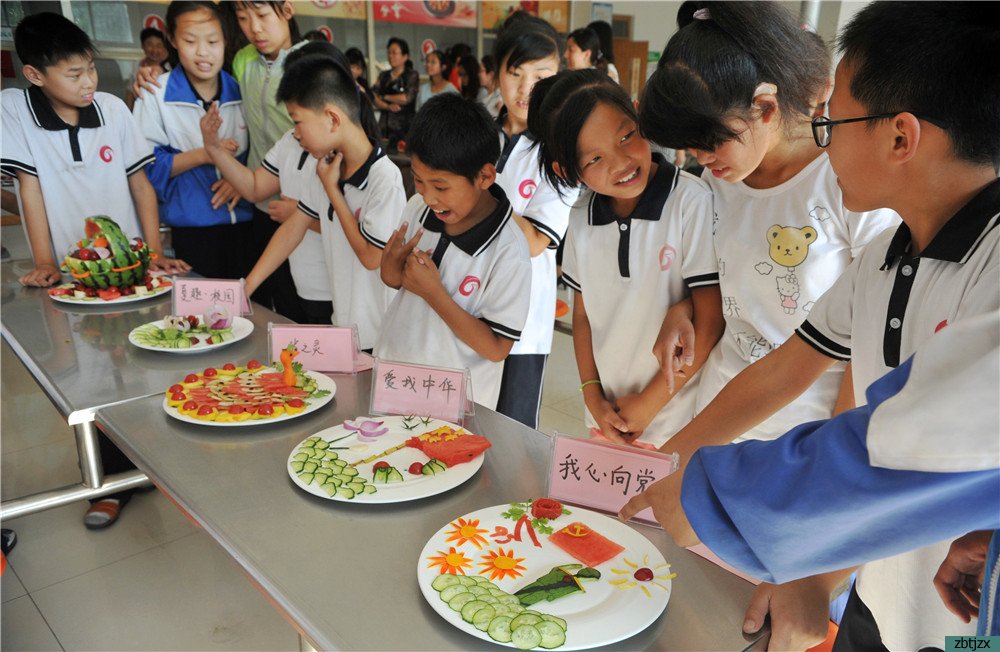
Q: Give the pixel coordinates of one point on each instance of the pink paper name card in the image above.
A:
(195, 296)
(404, 388)
(321, 348)
(604, 476)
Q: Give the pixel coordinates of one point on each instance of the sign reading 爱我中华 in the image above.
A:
(421, 390)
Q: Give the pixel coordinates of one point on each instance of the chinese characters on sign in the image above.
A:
(195, 296)
(399, 388)
(603, 476)
(321, 348)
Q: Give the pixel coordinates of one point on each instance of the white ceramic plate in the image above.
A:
(413, 487)
(611, 608)
(242, 328)
(97, 301)
(322, 382)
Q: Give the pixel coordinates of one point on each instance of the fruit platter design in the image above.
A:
(108, 267)
(191, 333)
(386, 460)
(536, 575)
(248, 395)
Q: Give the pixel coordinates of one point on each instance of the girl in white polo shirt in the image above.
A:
(528, 50)
(210, 221)
(640, 239)
(737, 86)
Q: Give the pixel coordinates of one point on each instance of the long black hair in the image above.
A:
(607, 37)
(525, 38)
(470, 66)
(711, 67)
(317, 73)
(559, 107)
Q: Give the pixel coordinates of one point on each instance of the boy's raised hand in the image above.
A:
(420, 275)
(328, 169)
(395, 254)
(210, 124)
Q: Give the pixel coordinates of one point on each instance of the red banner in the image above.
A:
(450, 13)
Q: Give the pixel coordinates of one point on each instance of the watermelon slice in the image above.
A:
(585, 544)
(453, 448)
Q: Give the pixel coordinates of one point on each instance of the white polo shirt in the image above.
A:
(887, 304)
(296, 171)
(779, 250)
(376, 197)
(82, 170)
(533, 197)
(487, 271)
(630, 270)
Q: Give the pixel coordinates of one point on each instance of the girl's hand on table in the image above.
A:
(169, 265)
(42, 276)
(605, 413)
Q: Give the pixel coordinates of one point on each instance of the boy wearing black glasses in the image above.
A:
(914, 125)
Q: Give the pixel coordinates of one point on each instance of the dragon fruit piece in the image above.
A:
(103, 252)
(218, 318)
(175, 321)
(367, 430)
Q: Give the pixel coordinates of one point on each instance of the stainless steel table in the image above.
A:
(344, 574)
(81, 358)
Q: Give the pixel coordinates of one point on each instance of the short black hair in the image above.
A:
(356, 58)
(932, 59)
(489, 63)
(150, 32)
(275, 5)
(559, 107)
(178, 8)
(314, 35)
(44, 39)
(404, 47)
(523, 39)
(587, 39)
(711, 67)
(455, 135)
(316, 74)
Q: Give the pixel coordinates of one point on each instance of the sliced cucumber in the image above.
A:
(489, 599)
(478, 590)
(297, 466)
(509, 599)
(451, 590)
(525, 619)
(555, 619)
(497, 591)
(310, 467)
(394, 475)
(330, 489)
(332, 455)
(482, 619)
(306, 477)
(467, 581)
(344, 492)
(470, 609)
(321, 445)
(499, 629)
(350, 470)
(461, 600)
(525, 637)
(441, 582)
(483, 581)
(552, 634)
(300, 457)
(321, 477)
(356, 487)
(370, 489)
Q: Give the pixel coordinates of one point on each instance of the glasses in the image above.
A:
(822, 126)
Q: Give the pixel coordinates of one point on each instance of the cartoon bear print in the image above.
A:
(789, 247)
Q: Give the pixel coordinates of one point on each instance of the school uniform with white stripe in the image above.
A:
(487, 272)
(888, 303)
(534, 198)
(630, 270)
(296, 172)
(83, 170)
(214, 241)
(375, 195)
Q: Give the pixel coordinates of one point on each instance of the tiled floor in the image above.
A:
(153, 581)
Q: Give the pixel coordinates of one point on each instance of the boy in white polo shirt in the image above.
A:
(75, 152)
(460, 261)
(917, 131)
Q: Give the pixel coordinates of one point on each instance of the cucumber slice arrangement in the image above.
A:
(314, 463)
(490, 609)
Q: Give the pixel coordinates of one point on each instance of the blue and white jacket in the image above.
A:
(169, 119)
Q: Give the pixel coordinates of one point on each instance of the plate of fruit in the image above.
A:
(386, 459)
(535, 574)
(248, 395)
(107, 267)
(191, 333)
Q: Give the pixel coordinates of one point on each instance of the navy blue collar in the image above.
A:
(360, 177)
(478, 238)
(651, 203)
(46, 117)
(959, 236)
(180, 91)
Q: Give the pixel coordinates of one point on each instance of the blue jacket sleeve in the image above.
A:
(158, 172)
(810, 501)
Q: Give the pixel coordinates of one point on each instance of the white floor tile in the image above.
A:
(185, 595)
(551, 420)
(49, 466)
(54, 545)
(28, 418)
(24, 628)
(573, 406)
(10, 585)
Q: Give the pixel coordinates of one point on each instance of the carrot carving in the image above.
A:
(287, 371)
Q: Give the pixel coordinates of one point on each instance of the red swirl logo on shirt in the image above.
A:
(667, 254)
(469, 285)
(107, 153)
(941, 324)
(527, 188)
